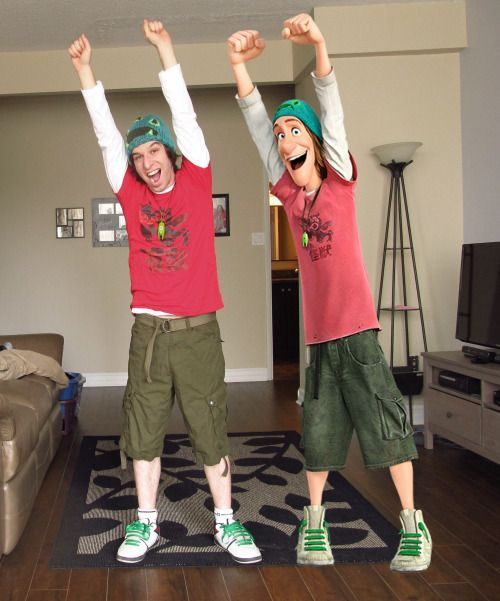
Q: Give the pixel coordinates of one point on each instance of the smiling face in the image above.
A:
(296, 149)
(153, 166)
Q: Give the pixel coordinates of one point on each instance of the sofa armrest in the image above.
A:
(46, 344)
(7, 423)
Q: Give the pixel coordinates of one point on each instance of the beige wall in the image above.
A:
(49, 159)
(69, 286)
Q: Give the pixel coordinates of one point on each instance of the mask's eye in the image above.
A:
(296, 131)
(280, 136)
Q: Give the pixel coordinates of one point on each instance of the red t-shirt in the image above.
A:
(336, 296)
(176, 275)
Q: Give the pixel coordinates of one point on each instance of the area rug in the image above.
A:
(269, 493)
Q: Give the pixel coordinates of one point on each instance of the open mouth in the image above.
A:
(298, 161)
(155, 175)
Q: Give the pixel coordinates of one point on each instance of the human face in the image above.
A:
(153, 166)
(296, 149)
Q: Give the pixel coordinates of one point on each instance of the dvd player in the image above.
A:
(460, 382)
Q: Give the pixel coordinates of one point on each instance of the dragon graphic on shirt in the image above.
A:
(320, 236)
(170, 252)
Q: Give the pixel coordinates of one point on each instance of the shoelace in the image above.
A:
(315, 538)
(411, 543)
(136, 532)
(238, 532)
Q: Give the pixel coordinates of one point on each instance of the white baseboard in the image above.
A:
(258, 374)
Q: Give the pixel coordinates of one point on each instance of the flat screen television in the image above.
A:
(478, 314)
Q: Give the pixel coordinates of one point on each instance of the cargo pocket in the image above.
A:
(393, 417)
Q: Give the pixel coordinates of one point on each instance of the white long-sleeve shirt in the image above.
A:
(189, 136)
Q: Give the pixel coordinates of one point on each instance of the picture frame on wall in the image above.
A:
(220, 203)
(108, 223)
(70, 223)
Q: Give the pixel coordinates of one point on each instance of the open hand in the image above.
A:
(244, 46)
(302, 29)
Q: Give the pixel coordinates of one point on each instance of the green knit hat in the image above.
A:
(302, 111)
(146, 129)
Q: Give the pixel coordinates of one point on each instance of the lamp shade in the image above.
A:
(399, 152)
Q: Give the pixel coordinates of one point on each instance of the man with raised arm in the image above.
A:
(175, 346)
(348, 383)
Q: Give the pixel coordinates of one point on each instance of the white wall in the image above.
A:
(480, 92)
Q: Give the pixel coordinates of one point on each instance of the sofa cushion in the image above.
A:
(15, 452)
(13, 366)
(15, 363)
(7, 423)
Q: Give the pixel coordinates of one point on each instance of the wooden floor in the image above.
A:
(458, 491)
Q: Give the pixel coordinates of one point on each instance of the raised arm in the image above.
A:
(108, 137)
(242, 47)
(189, 136)
(80, 52)
(302, 29)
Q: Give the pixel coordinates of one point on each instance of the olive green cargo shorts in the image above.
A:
(188, 365)
(349, 386)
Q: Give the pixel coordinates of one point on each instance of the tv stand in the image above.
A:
(470, 420)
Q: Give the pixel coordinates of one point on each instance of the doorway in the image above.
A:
(285, 297)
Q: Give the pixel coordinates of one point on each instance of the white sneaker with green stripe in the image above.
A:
(139, 538)
(237, 541)
(314, 538)
(415, 547)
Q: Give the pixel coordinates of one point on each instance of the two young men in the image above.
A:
(170, 226)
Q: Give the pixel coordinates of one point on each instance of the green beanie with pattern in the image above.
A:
(148, 129)
(302, 111)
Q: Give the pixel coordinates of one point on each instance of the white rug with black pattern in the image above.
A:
(269, 493)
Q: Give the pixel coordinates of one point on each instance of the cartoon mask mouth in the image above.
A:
(298, 161)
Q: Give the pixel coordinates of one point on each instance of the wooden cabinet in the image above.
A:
(470, 420)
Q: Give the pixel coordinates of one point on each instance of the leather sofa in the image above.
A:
(30, 433)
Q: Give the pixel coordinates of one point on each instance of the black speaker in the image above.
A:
(409, 382)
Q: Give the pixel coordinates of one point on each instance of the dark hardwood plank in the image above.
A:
(458, 592)
(166, 583)
(365, 583)
(285, 584)
(244, 583)
(407, 586)
(440, 571)
(88, 585)
(205, 584)
(476, 571)
(46, 595)
(127, 584)
(325, 584)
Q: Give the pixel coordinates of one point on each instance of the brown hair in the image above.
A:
(319, 159)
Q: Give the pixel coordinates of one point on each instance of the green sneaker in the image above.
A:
(139, 538)
(237, 541)
(313, 547)
(415, 547)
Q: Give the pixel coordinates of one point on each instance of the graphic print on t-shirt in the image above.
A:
(320, 235)
(160, 226)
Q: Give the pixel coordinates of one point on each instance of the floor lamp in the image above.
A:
(396, 157)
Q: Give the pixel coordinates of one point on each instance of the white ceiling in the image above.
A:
(30, 25)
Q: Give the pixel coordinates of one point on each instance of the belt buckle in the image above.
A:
(165, 326)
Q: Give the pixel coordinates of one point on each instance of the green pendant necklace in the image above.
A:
(305, 222)
(161, 226)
